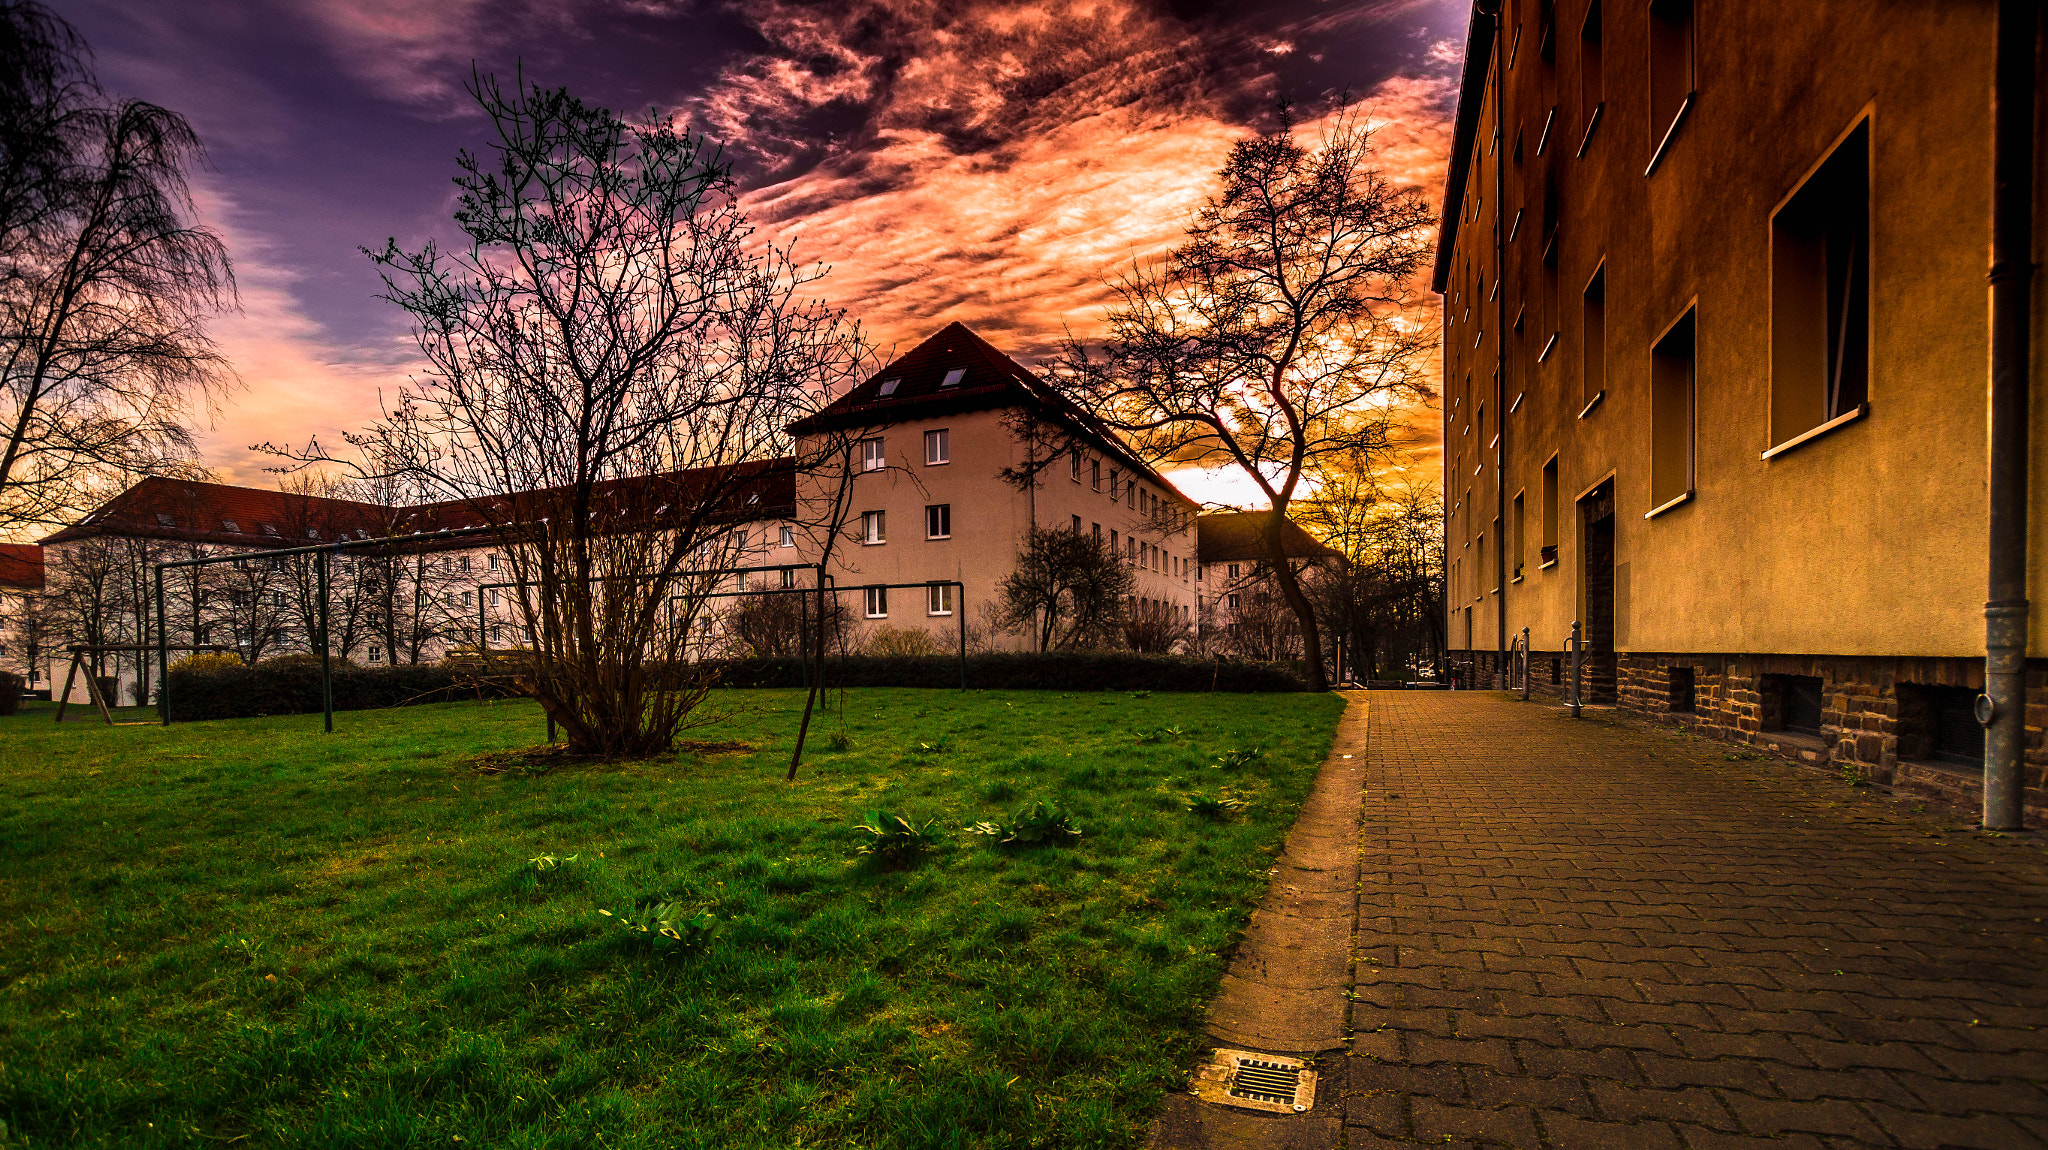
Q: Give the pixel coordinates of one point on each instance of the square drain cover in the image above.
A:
(1256, 1081)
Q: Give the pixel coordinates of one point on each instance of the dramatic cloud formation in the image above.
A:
(975, 160)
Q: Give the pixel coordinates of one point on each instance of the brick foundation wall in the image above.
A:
(1865, 725)
(1861, 728)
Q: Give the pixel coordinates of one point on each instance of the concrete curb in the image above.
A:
(1286, 990)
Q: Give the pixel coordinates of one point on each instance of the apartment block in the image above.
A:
(1715, 346)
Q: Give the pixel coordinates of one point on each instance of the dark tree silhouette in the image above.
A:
(104, 281)
(1278, 333)
(1068, 589)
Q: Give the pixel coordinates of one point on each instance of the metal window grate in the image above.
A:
(1263, 1081)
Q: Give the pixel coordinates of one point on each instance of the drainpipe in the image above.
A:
(2002, 710)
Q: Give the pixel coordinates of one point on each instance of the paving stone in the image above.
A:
(1710, 954)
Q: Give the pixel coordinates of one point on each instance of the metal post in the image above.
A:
(1525, 664)
(163, 654)
(320, 579)
(960, 613)
(1577, 660)
(2002, 709)
(803, 642)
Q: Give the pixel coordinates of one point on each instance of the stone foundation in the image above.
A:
(1869, 726)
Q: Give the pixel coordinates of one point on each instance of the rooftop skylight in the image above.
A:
(165, 521)
(954, 377)
(889, 386)
(231, 525)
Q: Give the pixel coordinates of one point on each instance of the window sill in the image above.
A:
(1592, 403)
(1516, 579)
(1547, 348)
(938, 614)
(1847, 417)
(936, 538)
(936, 462)
(873, 542)
(1517, 404)
(1546, 565)
(1495, 591)
(1667, 505)
(1592, 125)
(1670, 133)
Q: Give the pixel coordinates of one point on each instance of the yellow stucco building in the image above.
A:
(1716, 347)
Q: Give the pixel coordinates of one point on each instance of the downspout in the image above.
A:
(2003, 708)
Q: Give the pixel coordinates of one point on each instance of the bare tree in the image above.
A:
(1277, 332)
(104, 282)
(1385, 601)
(1155, 627)
(1068, 589)
(611, 362)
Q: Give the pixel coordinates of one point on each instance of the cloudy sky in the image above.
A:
(962, 160)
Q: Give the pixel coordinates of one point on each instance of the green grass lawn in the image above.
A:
(250, 932)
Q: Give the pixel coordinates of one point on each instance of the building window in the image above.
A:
(871, 458)
(1671, 414)
(788, 578)
(469, 598)
(462, 563)
(376, 654)
(229, 524)
(938, 446)
(1115, 478)
(1098, 531)
(494, 597)
(277, 599)
(1681, 689)
(1232, 601)
(788, 536)
(1593, 375)
(1115, 541)
(1518, 539)
(871, 527)
(1592, 93)
(491, 561)
(1131, 495)
(877, 602)
(1672, 69)
(1077, 524)
(1074, 465)
(1549, 553)
(938, 599)
(740, 582)
(1233, 570)
(1095, 474)
(1820, 295)
(938, 521)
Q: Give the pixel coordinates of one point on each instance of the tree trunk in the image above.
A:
(1290, 590)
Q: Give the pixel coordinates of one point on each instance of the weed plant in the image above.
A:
(246, 932)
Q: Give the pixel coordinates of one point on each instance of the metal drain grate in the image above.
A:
(1263, 1081)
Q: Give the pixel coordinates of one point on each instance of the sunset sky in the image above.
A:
(984, 162)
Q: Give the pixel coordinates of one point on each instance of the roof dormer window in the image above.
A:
(954, 377)
(165, 521)
(230, 525)
(889, 386)
(312, 533)
(267, 529)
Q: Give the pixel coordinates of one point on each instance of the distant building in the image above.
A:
(1239, 604)
(1722, 397)
(938, 429)
(21, 631)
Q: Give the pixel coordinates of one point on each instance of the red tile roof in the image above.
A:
(21, 566)
(988, 379)
(224, 515)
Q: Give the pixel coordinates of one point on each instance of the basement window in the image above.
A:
(1939, 724)
(1792, 703)
(1682, 691)
(1820, 298)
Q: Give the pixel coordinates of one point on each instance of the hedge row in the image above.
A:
(293, 688)
(1024, 671)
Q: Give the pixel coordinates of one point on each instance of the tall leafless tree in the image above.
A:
(105, 283)
(611, 363)
(1277, 333)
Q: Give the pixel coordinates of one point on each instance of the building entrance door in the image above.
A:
(1596, 527)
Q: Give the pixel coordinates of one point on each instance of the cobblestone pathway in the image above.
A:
(1588, 934)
